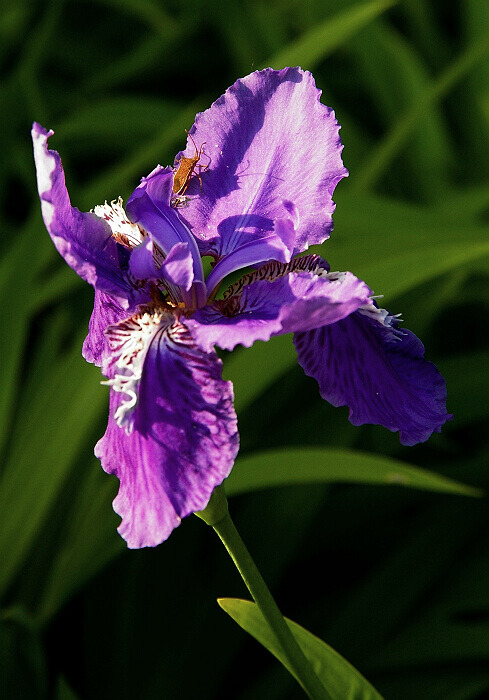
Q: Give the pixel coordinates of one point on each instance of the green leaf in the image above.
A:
(89, 542)
(464, 204)
(52, 426)
(385, 151)
(339, 677)
(13, 21)
(149, 12)
(395, 72)
(419, 265)
(373, 234)
(64, 691)
(23, 671)
(122, 121)
(58, 285)
(15, 275)
(33, 56)
(308, 465)
(241, 33)
(141, 57)
(322, 40)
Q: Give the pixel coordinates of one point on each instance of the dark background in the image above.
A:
(396, 579)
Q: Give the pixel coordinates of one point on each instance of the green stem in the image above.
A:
(217, 515)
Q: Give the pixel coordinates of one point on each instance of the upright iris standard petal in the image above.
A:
(269, 144)
(294, 297)
(83, 239)
(184, 438)
(368, 364)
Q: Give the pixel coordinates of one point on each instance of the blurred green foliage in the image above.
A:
(396, 579)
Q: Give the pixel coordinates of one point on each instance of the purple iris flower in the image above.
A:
(273, 158)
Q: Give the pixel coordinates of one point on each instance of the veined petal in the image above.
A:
(278, 299)
(106, 312)
(277, 245)
(365, 362)
(129, 341)
(141, 262)
(268, 140)
(149, 206)
(83, 239)
(178, 266)
(184, 438)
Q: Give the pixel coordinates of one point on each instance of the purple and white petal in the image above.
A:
(106, 312)
(83, 239)
(183, 440)
(270, 145)
(285, 302)
(367, 363)
(177, 268)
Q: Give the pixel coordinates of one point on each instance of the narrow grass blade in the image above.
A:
(385, 151)
(52, 426)
(322, 40)
(308, 465)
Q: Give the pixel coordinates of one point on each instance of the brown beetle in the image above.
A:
(186, 168)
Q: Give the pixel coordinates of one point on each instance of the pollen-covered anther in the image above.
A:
(178, 307)
(123, 230)
(130, 340)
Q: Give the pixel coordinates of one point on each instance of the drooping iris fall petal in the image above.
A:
(379, 371)
(183, 440)
(278, 299)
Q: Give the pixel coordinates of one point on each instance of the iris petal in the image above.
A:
(288, 301)
(184, 439)
(149, 206)
(106, 312)
(268, 139)
(278, 245)
(141, 262)
(177, 266)
(83, 239)
(367, 363)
